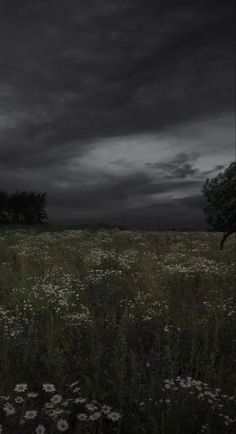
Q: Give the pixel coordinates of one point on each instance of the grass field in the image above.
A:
(117, 332)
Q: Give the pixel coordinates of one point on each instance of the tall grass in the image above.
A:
(116, 331)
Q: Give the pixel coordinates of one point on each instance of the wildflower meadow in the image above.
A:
(116, 331)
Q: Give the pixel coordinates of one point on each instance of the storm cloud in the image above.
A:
(119, 110)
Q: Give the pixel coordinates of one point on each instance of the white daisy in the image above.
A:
(47, 387)
(40, 429)
(22, 387)
(19, 399)
(9, 409)
(62, 425)
(114, 416)
(30, 414)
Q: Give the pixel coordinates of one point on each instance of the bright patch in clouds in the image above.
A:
(121, 156)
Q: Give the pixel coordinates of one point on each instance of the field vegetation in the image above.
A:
(114, 331)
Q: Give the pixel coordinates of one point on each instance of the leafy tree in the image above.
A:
(27, 208)
(23, 208)
(34, 211)
(220, 194)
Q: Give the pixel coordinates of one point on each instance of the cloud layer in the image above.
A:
(118, 109)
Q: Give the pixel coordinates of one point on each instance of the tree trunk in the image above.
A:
(226, 235)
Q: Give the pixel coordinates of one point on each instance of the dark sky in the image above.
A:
(118, 109)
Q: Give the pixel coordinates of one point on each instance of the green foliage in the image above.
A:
(220, 194)
(145, 322)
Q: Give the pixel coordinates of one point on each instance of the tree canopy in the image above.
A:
(25, 207)
(220, 194)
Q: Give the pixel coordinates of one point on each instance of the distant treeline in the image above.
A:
(23, 207)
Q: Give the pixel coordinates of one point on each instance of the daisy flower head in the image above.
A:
(9, 409)
(114, 416)
(40, 429)
(48, 387)
(30, 414)
(20, 388)
(19, 399)
(56, 399)
(62, 425)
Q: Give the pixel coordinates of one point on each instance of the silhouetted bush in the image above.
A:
(220, 194)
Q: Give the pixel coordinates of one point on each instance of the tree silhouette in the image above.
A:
(4, 199)
(23, 208)
(220, 193)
